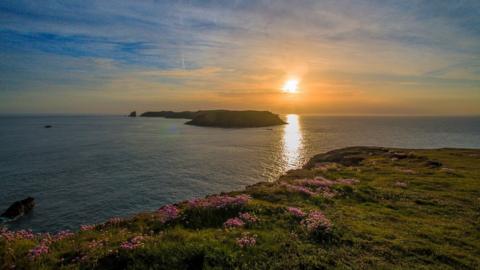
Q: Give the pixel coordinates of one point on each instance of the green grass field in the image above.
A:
(382, 209)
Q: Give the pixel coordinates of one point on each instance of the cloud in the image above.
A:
(340, 49)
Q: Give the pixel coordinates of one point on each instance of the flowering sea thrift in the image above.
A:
(168, 212)
(317, 182)
(233, 222)
(246, 240)
(248, 218)
(62, 235)
(347, 181)
(39, 250)
(133, 243)
(114, 221)
(299, 189)
(15, 235)
(94, 244)
(315, 221)
(87, 227)
(219, 201)
(296, 211)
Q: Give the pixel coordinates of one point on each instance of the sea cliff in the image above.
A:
(352, 208)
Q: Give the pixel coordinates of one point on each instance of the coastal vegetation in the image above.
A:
(223, 118)
(353, 208)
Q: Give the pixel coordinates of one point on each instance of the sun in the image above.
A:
(290, 86)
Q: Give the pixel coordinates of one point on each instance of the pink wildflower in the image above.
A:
(233, 222)
(62, 235)
(38, 251)
(296, 211)
(114, 221)
(168, 212)
(347, 181)
(247, 217)
(316, 220)
(133, 243)
(246, 240)
(15, 235)
(299, 189)
(94, 244)
(219, 201)
(84, 228)
(317, 182)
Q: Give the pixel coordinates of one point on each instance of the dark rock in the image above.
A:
(223, 118)
(400, 155)
(235, 119)
(433, 164)
(133, 114)
(47, 126)
(19, 208)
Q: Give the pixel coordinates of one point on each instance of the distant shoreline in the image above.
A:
(222, 118)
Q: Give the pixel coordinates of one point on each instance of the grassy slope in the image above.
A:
(433, 223)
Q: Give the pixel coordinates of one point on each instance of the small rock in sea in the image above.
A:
(19, 208)
(47, 126)
(133, 114)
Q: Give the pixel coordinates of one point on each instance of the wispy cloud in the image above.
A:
(343, 51)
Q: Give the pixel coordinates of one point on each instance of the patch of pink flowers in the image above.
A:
(219, 201)
(347, 181)
(247, 240)
(168, 212)
(296, 211)
(62, 235)
(114, 221)
(299, 189)
(233, 223)
(133, 243)
(14, 235)
(317, 182)
(94, 244)
(316, 220)
(39, 250)
(87, 227)
(248, 218)
(320, 184)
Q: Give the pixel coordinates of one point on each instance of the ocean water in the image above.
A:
(86, 169)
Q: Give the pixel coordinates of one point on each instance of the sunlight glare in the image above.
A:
(290, 86)
(292, 142)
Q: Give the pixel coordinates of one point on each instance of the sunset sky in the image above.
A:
(349, 57)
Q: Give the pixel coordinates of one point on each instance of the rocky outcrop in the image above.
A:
(222, 118)
(133, 114)
(19, 208)
(235, 119)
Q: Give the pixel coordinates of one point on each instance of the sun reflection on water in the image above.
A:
(292, 142)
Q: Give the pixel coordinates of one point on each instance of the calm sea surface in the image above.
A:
(85, 170)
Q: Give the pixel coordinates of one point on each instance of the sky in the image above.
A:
(350, 57)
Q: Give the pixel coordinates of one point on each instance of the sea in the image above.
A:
(87, 169)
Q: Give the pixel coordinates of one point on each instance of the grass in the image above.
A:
(404, 213)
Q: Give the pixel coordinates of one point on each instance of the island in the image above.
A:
(351, 208)
(223, 118)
